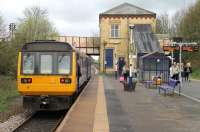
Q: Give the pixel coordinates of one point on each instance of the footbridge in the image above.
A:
(88, 45)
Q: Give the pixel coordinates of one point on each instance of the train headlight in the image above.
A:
(65, 80)
(26, 80)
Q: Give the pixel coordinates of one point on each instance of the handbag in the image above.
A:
(121, 79)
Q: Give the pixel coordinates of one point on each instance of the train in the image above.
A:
(50, 74)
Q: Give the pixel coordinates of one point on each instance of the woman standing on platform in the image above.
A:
(121, 63)
(125, 72)
(116, 70)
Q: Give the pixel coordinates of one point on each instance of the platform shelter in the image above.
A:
(154, 65)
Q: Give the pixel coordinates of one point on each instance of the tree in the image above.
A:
(163, 24)
(35, 25)
(6, 52)
(2, 26)
(189, 26)
(175, 23)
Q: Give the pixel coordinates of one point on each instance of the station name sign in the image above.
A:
(190, 48)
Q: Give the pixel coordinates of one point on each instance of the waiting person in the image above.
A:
(121, 64)
(187, 71)
(116, 70)
(171, 69)
(125, 72)
(176, 72)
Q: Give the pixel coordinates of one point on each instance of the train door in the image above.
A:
(78, 71)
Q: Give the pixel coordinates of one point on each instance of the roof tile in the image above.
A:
(127, 9)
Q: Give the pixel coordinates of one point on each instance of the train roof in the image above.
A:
(47, 45)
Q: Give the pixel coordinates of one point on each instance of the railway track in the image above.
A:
(42, 121)
(46, 121)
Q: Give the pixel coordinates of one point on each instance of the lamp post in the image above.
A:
(157, 61)
(130, 54)
(180, 61)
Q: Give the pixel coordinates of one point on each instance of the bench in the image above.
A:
(168, 87)
(155, 81)
(148, 83)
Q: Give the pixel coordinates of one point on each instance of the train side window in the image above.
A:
(64, 63)
(28, 64)
(46, 64)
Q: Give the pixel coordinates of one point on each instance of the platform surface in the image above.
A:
(104, 106)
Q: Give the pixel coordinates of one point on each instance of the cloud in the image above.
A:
(80, 17)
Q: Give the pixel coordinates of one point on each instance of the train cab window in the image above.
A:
(64, 64)
(46, 64)
(28, 64)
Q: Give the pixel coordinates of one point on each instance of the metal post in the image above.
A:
(180, 61)
(157, 61)
(172, 57)
(172, 53)
(130, 54)
(156, 74)
(130, 83)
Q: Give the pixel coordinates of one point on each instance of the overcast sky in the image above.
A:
(80, 17)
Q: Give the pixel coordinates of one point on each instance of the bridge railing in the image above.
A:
(88, 45)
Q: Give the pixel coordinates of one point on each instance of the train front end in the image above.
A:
(46, 75)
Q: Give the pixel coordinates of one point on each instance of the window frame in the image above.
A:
(22, 64)
(52, 65)
(118, 30)
(54, 61)
(66, 54)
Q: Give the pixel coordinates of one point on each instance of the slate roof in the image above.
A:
(127, 9)
(145, 40)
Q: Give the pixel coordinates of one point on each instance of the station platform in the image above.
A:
(104, 106)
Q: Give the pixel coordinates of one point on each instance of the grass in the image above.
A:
(8, 91)
(196, 74)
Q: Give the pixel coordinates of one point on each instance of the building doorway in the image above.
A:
(109, 58)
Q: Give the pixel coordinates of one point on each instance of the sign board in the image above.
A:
(132, 56)
(171, 48)
(191, 48)
(196, 48)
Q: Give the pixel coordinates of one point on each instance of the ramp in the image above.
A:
(145, 40)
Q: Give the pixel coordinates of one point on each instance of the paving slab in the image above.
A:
(191, 88)
(104, 106)
(81, 116)
(146, 111)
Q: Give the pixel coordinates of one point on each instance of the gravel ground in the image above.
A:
(14, 116)
(14, 121)
(15, 107)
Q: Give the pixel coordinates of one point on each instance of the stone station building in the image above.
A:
(115, 35)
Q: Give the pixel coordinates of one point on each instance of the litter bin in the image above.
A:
(130, 84)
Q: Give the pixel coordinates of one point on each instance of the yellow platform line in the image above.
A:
(61, 126)
(101, 123)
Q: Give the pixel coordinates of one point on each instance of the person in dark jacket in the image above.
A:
(187, 71)
(121, 63)
(125, 72)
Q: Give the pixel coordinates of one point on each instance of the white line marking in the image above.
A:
(190, 97)
(195, 80)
